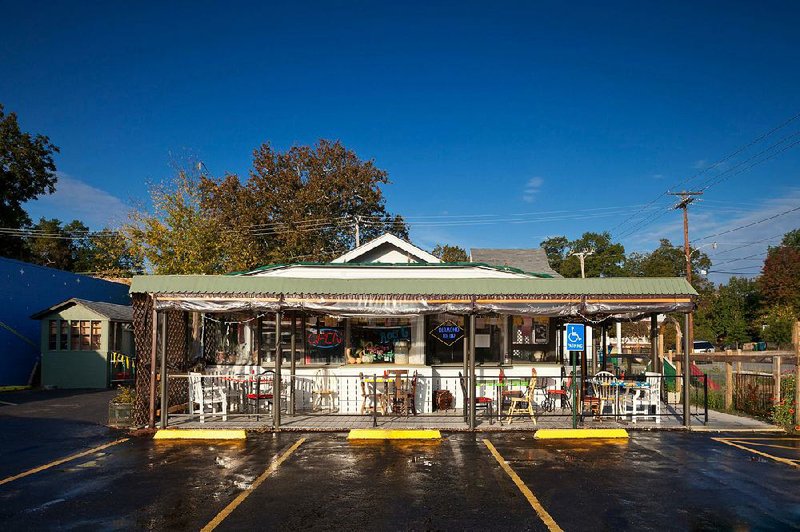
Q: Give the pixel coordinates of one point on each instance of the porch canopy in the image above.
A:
(620, 298)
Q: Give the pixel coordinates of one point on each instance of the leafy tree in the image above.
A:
(778, 321)
(27, 171)
(177, 237)
(606, 261)
(556, 248)
(734, 311)
(792, 239)
(450, 253)
(780, 277)
(50, 245)
(108, 254)
(302, 204)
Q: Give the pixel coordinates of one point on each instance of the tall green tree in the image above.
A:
(299, 205)
(49, 244)
(450, 253)
(607, 259)
(734, 311)
(780, 278)
(27, 171)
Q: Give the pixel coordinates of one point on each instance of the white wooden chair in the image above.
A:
(207, 396)
(639, 403)
(527, 399)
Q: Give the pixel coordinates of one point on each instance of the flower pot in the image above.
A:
(119, 414)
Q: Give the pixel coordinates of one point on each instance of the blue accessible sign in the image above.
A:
(575, 335)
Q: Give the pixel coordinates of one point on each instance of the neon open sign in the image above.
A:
(325, 339)
(448, 332)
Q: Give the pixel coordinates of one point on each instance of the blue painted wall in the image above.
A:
(26, 289)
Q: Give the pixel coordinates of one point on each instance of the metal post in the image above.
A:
(472, 382)
(153, 348)
(605, 348)
(574, 356)
(687, 418)
(465, 371)
(293, 364)
(705, 399)
(276, 379)
(374, 400)
(654, 354)
(164, 372)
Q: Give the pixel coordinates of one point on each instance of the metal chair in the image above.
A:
(480, 402)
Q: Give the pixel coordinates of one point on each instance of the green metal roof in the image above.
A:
(393, 265)
(226, 284)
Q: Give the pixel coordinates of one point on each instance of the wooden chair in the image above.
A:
(527, 399)
(206, 397)
(325, 391)
(480, 402)
(405, 395)
(605, 389)
(367, 403)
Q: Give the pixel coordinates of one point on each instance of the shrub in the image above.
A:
(125, 395)
(783, 412)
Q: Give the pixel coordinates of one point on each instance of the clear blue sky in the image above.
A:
(472, 108)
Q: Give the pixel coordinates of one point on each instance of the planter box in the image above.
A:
(119, 414)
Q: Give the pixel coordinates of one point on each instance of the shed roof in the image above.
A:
(528, 260)
(225, 284)
(109, 310)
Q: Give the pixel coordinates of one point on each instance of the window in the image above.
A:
(489, 339)
(323, 340)
(52, 336)
(64, 335)
(531, 339)
(235, 338)
(444, 339)
(84, 335)
(379, 339)
(266, 344)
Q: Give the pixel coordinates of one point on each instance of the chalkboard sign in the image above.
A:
(448, 332)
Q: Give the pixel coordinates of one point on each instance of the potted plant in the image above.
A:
(120, 407)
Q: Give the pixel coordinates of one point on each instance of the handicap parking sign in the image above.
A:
(575, 336)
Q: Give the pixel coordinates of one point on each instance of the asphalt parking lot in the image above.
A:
(667, 480)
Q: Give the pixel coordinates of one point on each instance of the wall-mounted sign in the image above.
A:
(325, 338)
(448, 332)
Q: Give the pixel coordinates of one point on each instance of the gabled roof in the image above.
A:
(528, 260)
(109, 310)
(380, 270)
(388, 239)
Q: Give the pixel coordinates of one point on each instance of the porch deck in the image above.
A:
(672, 420)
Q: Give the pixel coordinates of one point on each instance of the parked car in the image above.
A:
(703, 346)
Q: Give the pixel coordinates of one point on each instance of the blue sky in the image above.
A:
(498, 125)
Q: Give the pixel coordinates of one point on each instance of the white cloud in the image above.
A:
(76, 199)
(531, 189)
(700, 164)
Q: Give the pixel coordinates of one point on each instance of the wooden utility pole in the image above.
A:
(687, 197)
(582, 257)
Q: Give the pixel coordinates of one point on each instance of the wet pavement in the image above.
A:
(673, 481)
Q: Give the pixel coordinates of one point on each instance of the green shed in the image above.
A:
(86, 344)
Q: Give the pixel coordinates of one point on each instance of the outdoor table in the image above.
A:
(627, 386)
(245, 380)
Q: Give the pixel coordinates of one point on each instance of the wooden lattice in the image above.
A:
(177, 350)
(142, 312)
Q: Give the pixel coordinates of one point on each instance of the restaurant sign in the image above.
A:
(448, 332)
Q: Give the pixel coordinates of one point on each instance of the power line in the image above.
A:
(751, 224)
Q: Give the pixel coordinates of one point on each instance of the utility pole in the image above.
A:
(582, 257)
(358, 230)
(687, 197)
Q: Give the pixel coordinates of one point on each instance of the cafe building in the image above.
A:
(385, 307)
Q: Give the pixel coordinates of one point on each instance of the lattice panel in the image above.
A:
(210, 334)
(177, 353)
(142, 331)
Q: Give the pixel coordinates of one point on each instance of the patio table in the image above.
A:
(627, 386)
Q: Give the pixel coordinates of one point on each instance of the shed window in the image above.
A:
(64, 333)
(85, 335)
(52, 337)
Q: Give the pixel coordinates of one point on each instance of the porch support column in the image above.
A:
(153, 347)
(654, 354)
(687, 419)
(164, 401)
(472, 382)
(465, 370)
(293, 364)
(605, 347)
(276, 380)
